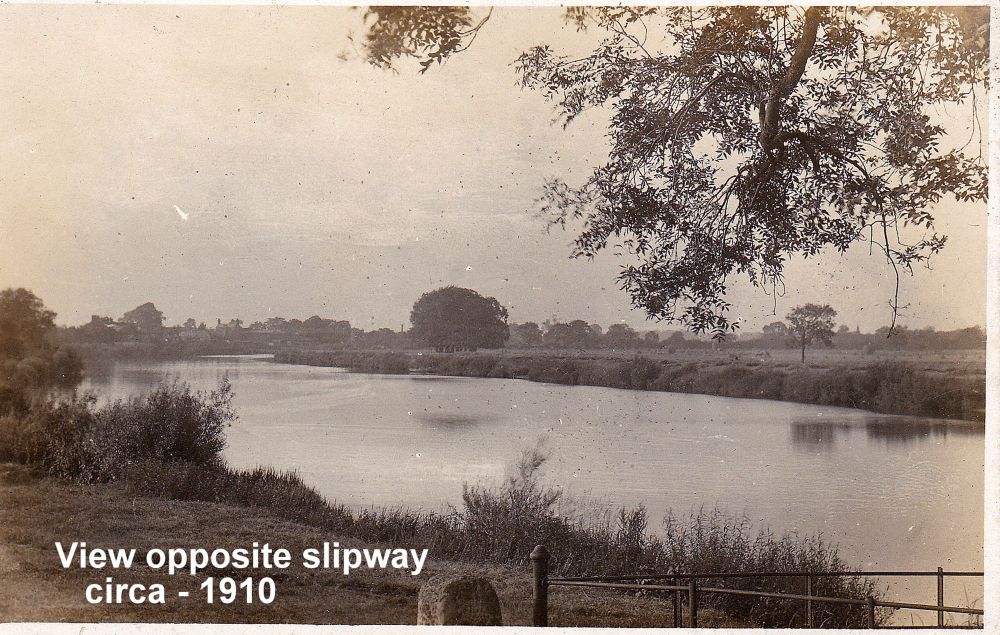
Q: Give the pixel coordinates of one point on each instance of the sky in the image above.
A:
(245, 162)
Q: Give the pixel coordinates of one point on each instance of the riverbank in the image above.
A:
(914, 387)
(38, 512)
(110, 462)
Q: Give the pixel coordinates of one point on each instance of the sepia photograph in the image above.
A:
(668, 316)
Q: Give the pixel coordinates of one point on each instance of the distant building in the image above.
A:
(194, 335)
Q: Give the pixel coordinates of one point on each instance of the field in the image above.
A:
(970, 362)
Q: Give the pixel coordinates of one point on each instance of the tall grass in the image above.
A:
(168, 444)
(358, 361)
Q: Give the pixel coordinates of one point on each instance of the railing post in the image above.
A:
(677, 603)
(809, 603)
(692, 603)
(871, 612)
(940, 602)
(540, 591)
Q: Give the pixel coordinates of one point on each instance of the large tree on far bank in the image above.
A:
(453, 318)
(146, 317)
(811, 323)
(744, 136)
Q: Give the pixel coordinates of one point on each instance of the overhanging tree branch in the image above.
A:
(771, 108)
(736, 145)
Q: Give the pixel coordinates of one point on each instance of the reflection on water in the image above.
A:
(809, 435)
(452, 420)
(891, 492)
(919, 430)
(814, 435)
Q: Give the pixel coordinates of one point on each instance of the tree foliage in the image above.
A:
(146, 317)
(453, 318)
(24, 322)
(775, 329)
(29, 360)
(743, 136)
(620, 336)
(431, 34)
(575, 334)
(811, 323)
(527, 335)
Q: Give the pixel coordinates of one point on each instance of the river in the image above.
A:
(892, 492)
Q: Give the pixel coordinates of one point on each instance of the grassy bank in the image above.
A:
(884, 386)
(166, 446)
(37, 512)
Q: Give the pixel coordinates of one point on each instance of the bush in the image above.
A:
(170, 424)
(464, 365)
(507, 522)
(554, 371)
(74, 439)
(712, 541)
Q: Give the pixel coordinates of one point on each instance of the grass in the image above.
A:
(931, 386)
(166, 446)
(41, 511)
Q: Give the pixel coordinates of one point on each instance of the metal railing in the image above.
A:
(691, 590)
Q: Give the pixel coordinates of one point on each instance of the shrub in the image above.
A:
(771, 385)
(170, 424)
(465, 365)
(74, 439)
(555, 371)
(713, 541)
(507, 522)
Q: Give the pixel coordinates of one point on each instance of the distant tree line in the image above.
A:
(455, 319)
(145, 326)
(578, 334)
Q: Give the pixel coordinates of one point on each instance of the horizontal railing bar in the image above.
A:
(785, 596)
(930, 607)
(609, 585)
(783, 574)
(923, 626)
(767, 594)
